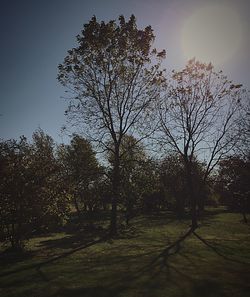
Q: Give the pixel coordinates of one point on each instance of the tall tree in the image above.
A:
(198, 118)
(113, 76)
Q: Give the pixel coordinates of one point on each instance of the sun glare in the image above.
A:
(212, 34)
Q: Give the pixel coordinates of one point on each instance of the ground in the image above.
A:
(213, 262)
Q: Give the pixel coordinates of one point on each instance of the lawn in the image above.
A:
(214, 262)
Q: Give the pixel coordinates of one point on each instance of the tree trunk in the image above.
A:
(194, 213)
(180, 207)
(244, 217)
(192, 195)
(77, 208)
(201, 204)
(115, 186)
(243, 207)
(113, 222)
(129, 210)
(12, 236)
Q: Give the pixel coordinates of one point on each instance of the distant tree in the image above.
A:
(174, 183)
(81, 173)
(15, 212)
(199, 118)
(50, 202)
(172, 174)
(113, 76)
(233, 184)
(150, 187)
(243, 145)
(32, 199)
(132, 160)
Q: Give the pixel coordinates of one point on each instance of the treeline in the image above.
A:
(43, 183)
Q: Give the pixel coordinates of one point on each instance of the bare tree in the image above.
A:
(198, 119)
(243, 145)
(113, 77)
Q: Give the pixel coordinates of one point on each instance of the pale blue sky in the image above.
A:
(35, 37)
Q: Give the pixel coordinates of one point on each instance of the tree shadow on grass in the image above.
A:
(97, 291)
(155, 268)
(156, 219)
(172, 248)
(77, 241)
(161, 263)
(74, 239)
(217, 251)
(73, 242)
(158, 265)
(10, 256)
(39, 265)
(175, 247)
(207, 288)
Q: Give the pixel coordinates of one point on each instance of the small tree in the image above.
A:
(173, 179)
(133, 158)
(233, 184)
(172, 174)
(15, 211)
(80, 172)
(32, 197)
(113, 76)
(198, 118)
(50, 203)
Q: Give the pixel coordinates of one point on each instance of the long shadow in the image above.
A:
(219, 253)
(161, 260)
(97, 291)
(38, 266)
(66, 243)
(155, 267)
(73, 239)
(9, 256)
(154, 263)
(172, 248)
(78, 240)
(86, 232)
(207, 287)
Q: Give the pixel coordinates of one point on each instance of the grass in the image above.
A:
(216, 265)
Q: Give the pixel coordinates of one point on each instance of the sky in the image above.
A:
(35, 37)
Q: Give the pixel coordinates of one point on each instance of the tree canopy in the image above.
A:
(113, 77)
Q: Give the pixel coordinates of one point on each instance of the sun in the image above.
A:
(212, 34)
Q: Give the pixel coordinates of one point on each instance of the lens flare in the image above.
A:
(212, 34)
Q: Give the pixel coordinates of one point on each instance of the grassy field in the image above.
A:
(214, 263)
